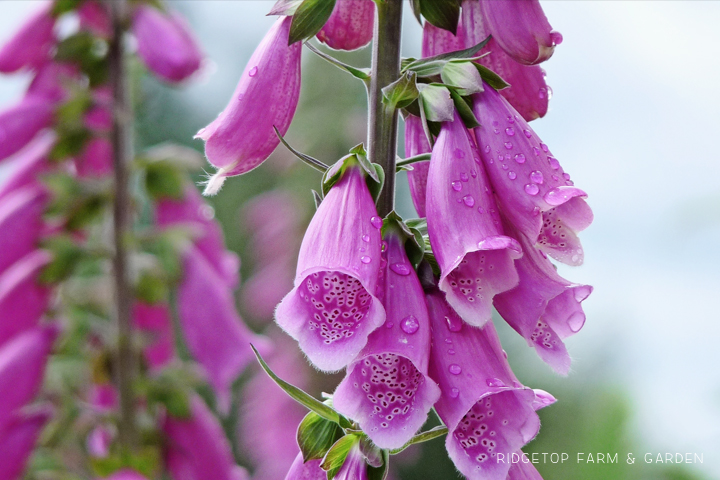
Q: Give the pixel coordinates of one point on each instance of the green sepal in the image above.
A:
(403, 163)
(464, 110)
(381, 472)
(307, 159)
(371, 452)
(145, 460)
(415, 7)
(309, 18)
(66, 255)
(436, 102)
(413, 240)
(335, 457)
(316, 435)
(317, 198)
(163, 179)
(431, 66)
(402, 92)
(374, 174)
(61, 7)
(361, 154)
(441, 13)
(424, 123)
(491, 78)
(419, 224)
(69, 144)
(285, 7)
(359, 73)
(422, 437)
(88, 52)
(303, 398)
(463, 76)
(78, 203)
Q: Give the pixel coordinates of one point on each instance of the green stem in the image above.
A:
(382, 129)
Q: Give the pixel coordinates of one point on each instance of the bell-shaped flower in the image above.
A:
(17, 442)
(544, 308)
(94, 18)
(52, 81)
(416, 144)
(103, 397)
(28, 164)
(309, 470)
(475, 257)
(96, 159)
(355, 466)
(213, 330)
(30, 46)
(165, 43)
(350, 25)
(20, 123)
(242, 136)
(523, 469)
(333, 308)
(487, 411)
(22, 367)
(23, 299)
(197, 448)
(533, 191)
(521, 29)
(155, 321)
(21, 212)
(387, 389)
(193, 211)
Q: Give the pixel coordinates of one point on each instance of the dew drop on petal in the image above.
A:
(542, 93)
(389, 324)
(505, 167)
(487, 148)
(481, 210)
(537, 177)
(527, 133)
(454, 324)
(512, 175)
(400, 268)
(410, 325)
(469, 200)
(457, 186)
(455, 369)
(376, 222)
(253, 71)
(464, 177)
(494, 382)
(366, 238)
(554, 164)
(454, 392)
(365, 259)
(566, 176)
(508, 145)
(459, 153)
(473, 173)
(451, 352)
(544, 148)
(510, 131)
(531, 189)
(520, 158)
(556, 37)
(537, 151)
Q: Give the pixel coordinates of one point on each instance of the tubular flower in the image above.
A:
(242, 136)
(17, 442)
(332, 309)
(350, 25)
(155, 320)
(387, 389)
(355, 466)
(51, 81)
(30, 46)
(416, 144)
(29, 164)
(544, 308)
(96, 159)
(534, 192)
(475, 257)
(165, 44)
(521, 29)
(94, 18)
(21, 213)
(487, 411)
(309, 470)
(19, 124)
(522, 470)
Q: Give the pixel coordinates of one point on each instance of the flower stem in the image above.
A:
(382, 128)
(122, 147)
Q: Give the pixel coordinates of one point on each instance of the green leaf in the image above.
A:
(415, 6)
(464, 110)
(437, 62)
(316, 436)
(491, 78)
(441, 13)
(307, 159)
(431, 434)
(463, 76)
(402, 92)
(412, 239)
(65, 257)
(285, 7)
(437, 103)
(151, 288)
(64, 6)
(69, 144)
(359, 73)
(335, 458)
(309, 18)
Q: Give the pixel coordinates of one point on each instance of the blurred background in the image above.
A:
(633, 118)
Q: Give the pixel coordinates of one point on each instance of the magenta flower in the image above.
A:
(98, 441)
(95, 161)
(544, 308)
(103, 397)
(523, 470)
(332, 309)
(94, 18)
(242, 136)
(21, 213)
(30, 46)
(350, 25)
(415, 144)
(355, 466)
(475, 257)
(534, 192)
(165, 44)
(17, 442)
(23, 300)
(306, 471)
(29, 164)
(387, 389)
(155, 321)
(214, 332)
(19, 124)
(487, 411)
(436, 41)
(52, 80)
(521, 29)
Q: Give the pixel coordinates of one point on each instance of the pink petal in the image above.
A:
(17, 442)
(350, 25)
(21, 213)
(30, 46)
(416, 144)
(19, 124)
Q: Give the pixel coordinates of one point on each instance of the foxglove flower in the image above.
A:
(155, 321)
(98, 442)
(94, 18)
(30, 46)
(521, 29)
(350, 25)
(29, 164)
(355, 466)
(17, 442)
(165, 44)
(534, 192)
(214, 332)
(487, 411)
(103, 397)
(544, 308)
(95, 160)
(387, 389)
(23, 299)
(20, 213)
(242, 136)
(309, 470)
(475, 257)
(332, 309)
(523, 470)
(19, 124)
(416, 144)
(51, 81)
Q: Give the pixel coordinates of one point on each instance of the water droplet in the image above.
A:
(366, 238)
(537, 151)
(558, 196)
(555, 177)
(400, 268)
(582, 292)
(454, 392)
(510, 119)
(376, 222)
(542, 93)
(457, 186)
(576, 321)
(487, 148)
(531, 189)
(473, 173)
(459, 153)
(566, 176)
(469, 200)
(537, 177)
(544, 148)
(365, 259)
(512, 175)
(508, 145)
(454, 324)
(554, 164)
(389, 324)
(520, 158)
(481, 210)
(496, 131)
(556, 37)
(455, 369)
(410, 325)
(510, 131)
(451, 352)
(253, 71)
(447, 340)
(494, 382)
(536, 211)
(527, 133)
(464, 177)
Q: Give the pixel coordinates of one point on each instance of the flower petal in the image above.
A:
(28, 164)
(17, 442)
(350, 25)
(21, 213)
(309, 470)
(30, 46)
(20, 123)
(155, 320)
(415, 144)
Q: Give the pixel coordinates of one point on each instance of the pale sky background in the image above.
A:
(634, 119)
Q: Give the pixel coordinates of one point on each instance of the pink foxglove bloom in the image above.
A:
(98, 442)
(309, 470)
(523, 469)
(165, 44)
(416, 144)
(475, 257)
(95, 160)
(28, 164)
(214, 332)
(155, 322)
(94, 18)
(350, 25)
(192, 211)
(52, 80)
(521, 29)
(103, 397)
(242, 136)
(19, 124)
(22, 366)
(21, 219)
(30, 46)
(18, 440)
(332, 309)
(23, 299)
(387, 389)
(355, 466)
(533, 191)
(265, 289)
(544, 308)
(487, 411)
(197, 448)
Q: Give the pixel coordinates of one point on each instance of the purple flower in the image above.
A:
(19, 124)
(544, 308)
(306, 471)
(98, 442)
(51, 81)
(29, 164)
(17, 442)
(523, 470)
(103, 397)
(415, 144)
(487, 411)
(30, 46)
(214, 332)
(533, 191)
(355, 466)
(21, 213)
(155, 321)
(332, 309)
(165, 44)
(387, 389)
(94, 18)
(521, 29)
(242, 136)
(436, 41)
(96, 159)
(475, 257)
(350, 25)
